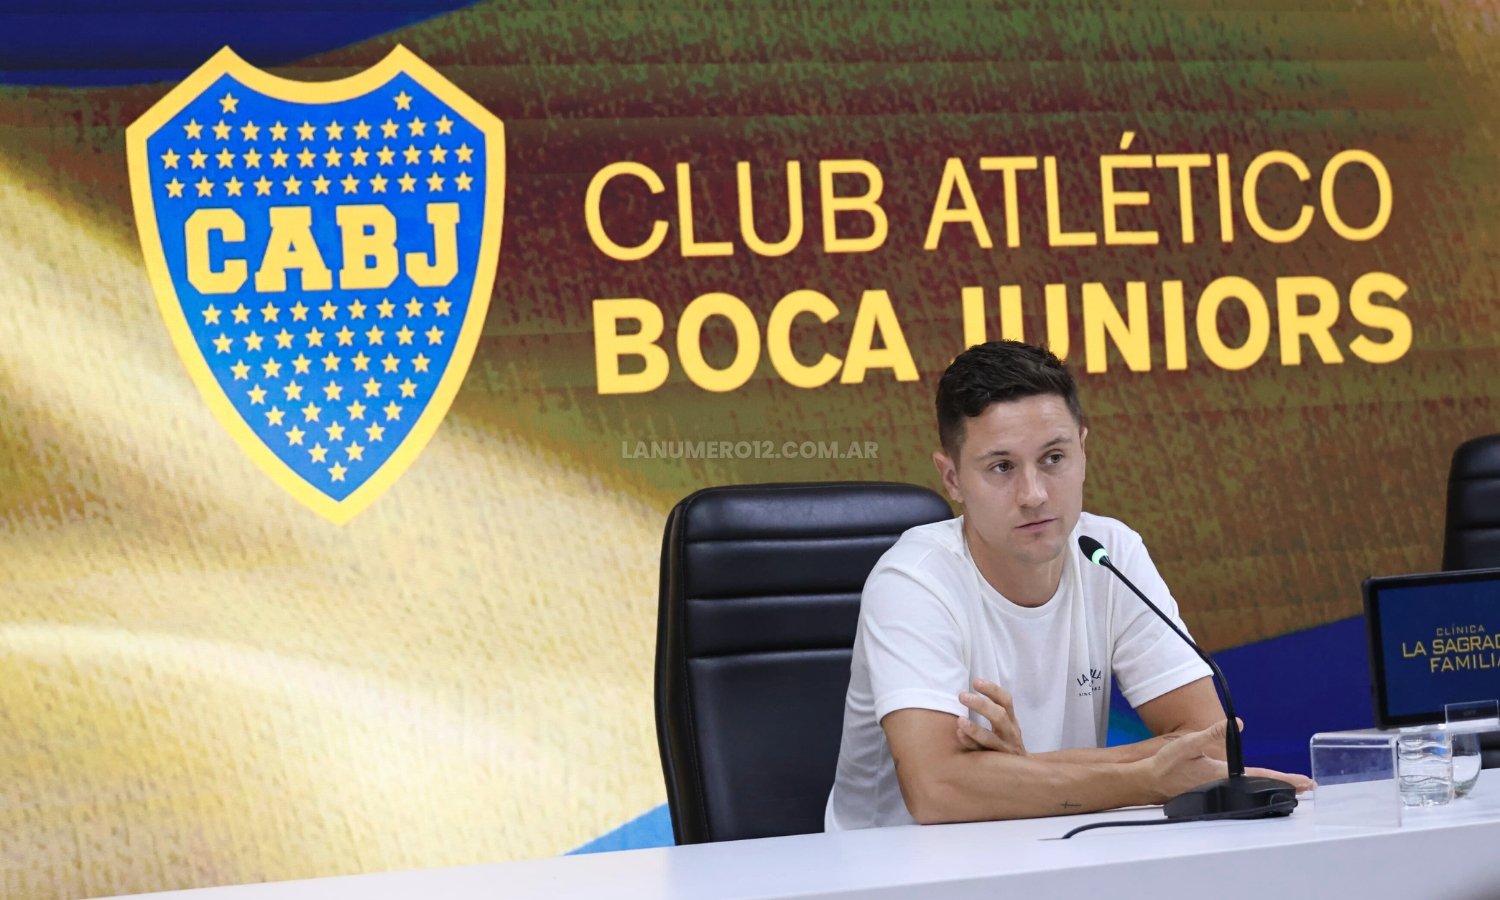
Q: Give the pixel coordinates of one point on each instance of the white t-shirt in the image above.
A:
(929, 624)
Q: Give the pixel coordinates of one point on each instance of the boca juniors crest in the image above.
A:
(323, 255)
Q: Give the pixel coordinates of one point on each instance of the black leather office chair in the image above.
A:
(760, 589)
(1471, 534)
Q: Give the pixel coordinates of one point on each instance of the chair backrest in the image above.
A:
(760, 588)
(1471, 532)
(1471, 536)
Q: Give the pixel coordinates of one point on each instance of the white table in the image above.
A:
(1446, 852)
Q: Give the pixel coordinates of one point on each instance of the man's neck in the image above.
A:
(1028, 586)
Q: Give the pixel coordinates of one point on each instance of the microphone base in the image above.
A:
(1252, 797)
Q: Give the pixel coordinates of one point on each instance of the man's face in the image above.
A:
(1020, 477)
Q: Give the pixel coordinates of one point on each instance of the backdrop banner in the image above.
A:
(352, 359)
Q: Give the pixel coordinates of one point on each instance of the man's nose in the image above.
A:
(1033, 492)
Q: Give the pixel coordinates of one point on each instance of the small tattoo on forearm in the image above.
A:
(1069, 804)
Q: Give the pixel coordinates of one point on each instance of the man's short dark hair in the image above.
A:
(997, 372)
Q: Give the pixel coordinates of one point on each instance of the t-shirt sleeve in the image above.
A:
(913, 645)
(1149, 660)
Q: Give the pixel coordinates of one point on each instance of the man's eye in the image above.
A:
(1054, 458)
(1001, 467)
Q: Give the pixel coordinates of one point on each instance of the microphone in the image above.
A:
(1245, 796)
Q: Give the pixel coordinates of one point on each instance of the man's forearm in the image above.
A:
(1121, 754)
(979, 786)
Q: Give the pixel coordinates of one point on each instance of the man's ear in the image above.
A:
(947, 471)
(1083, 437)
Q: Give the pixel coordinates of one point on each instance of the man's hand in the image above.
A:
(994, 703)
(1196, 758)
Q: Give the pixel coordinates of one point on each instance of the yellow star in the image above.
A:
(284, 340)
(362, 130)
(404, 336)
(331, 364)
(170, 159)
(334, 130)
(257, 395)
(378, 183)
(193, 129)
(444, 125)
(392, 412)
(356, 451)
(434, 335)
(295, 435)
(301, 363)
(229, 103)
(278, 132)
(356, 410)
(270, 311)
(318, 453)
(291, 185)
(205, 187)
(272, 368)
(320, 185)
(374, 335)
(233, 186)
(434, 182)
(386, 307)
(278, 159)
(463, 180)
(350, 184)
(174, 188)
(331, 157)
(210, 315)
(412, 154)
(305, 131)
(390, 362)
(328, 310)
(337, 472)
(241, 314)
(374, 432)
(314, 338)
(252, 159)
(361, 362)
(465, 153)
(419, 362)
(441, 306)
(225, 158)
(262, 186)
(345, 336)
(438, 155)
(299, 312)
(240, 370)
(387, 156)
(311, 411)
(360, 155)
(250, 131)
(306, 158)
(335, 432)
(408, 388)
(198, 158)
(253, 341)
(356, 310)
(372, 388)
(274, 415)
(403, 100)
(221, 131)
(408, 183)
(222, 343)
(417, 127)
(293, 391)
(389, 129)
(413, 307)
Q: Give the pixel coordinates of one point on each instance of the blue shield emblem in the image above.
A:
(323, 255)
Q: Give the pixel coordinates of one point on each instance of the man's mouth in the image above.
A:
(1036, 525)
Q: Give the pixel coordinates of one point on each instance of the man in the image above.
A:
(987, 645)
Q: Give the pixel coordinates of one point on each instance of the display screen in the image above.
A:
(1435, 640)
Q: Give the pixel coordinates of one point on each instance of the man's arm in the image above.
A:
(943, 782)
(1192, 707)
